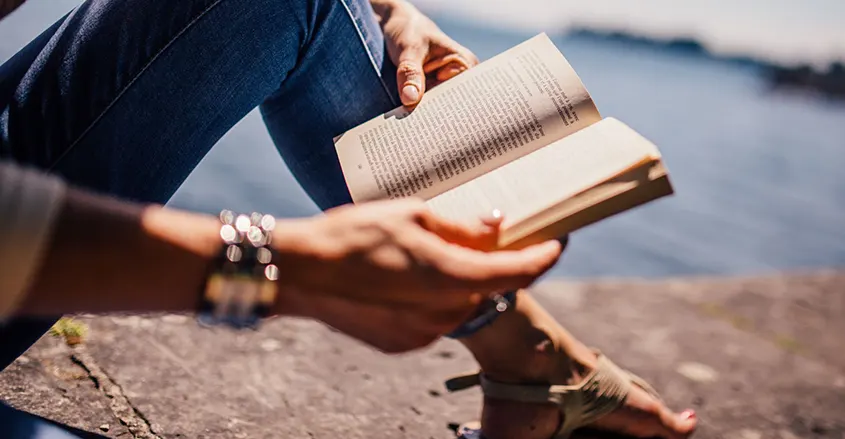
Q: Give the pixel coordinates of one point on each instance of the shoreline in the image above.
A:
(827, 79)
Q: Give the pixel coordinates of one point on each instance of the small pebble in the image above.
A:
(174, 319)
(270, 345)
(747, 434)
(104, 427)
(698, 372)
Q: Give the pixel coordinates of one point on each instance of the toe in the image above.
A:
(470, 430)
(677, 425)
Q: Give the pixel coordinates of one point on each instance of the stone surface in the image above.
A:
(47, 382)
(756, 357)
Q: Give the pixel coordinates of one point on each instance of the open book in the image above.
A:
(518, 133)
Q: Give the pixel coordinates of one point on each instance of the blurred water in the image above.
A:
(758, 174)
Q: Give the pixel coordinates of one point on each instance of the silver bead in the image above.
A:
(271, 272)
(242, 223)
(255, 236)
(229, 234)
(264, 256)
(234, 253)
(227, 217)
(268, 223)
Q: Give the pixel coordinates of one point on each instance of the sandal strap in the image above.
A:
(643, 384)
(600, 393)
(462, 382)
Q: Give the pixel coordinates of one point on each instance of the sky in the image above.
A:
(784, 31)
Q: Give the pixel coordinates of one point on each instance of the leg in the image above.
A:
(126, 96)
(529, 346)
(319, 96)
(344, 79)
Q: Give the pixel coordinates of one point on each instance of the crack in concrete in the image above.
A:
(139, 426)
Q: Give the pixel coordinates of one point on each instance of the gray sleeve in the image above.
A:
(29, 204)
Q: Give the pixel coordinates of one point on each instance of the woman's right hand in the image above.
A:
(393, 274)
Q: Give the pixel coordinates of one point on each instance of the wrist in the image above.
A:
(245, 282)
(292, 242)
(178, 245)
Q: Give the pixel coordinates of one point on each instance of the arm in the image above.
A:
(110, 256)
(361, 269)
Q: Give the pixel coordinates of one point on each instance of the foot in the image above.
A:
(528, 346)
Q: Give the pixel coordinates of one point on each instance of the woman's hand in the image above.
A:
(423, 54)
(393, 275)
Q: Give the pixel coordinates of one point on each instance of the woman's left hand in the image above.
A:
(423, 54)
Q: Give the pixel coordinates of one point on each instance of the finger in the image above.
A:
(494, 219)
(495, 271)
(409, 73)
(449, 72)
(484, 235)
(510, 270)
(443, 45)
(452, 59)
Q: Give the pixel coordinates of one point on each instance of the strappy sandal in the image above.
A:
(603, 391)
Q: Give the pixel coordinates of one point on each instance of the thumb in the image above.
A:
(409, 74)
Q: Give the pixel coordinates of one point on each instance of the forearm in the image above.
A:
(110, 256)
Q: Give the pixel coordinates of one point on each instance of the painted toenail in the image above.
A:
(688, 414)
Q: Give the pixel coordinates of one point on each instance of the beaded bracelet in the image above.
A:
(241, 288)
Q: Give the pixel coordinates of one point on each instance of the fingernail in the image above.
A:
(688, 414)
(411, 94)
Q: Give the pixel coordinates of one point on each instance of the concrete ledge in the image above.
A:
(757, 357)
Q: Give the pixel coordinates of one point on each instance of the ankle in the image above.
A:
(526, 345)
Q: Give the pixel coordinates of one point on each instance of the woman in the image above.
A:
(126, 96)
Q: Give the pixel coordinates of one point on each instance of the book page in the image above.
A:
(534, 183)
(492, 114)
(639, 185)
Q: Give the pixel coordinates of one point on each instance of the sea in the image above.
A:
(759, 172)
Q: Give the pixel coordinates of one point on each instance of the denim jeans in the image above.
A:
(126, 96)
